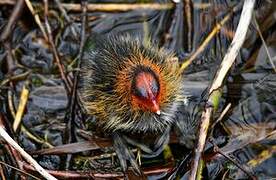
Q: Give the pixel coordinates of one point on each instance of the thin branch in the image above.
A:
(6, 33)
(261, 157)
(37, 19)
(236, 44)
(39, 169)
(15, 78)
(12, 153)
(19, 170)
(67, 82)
(188, 16)
(71, 120)
(2, 175)
(226, 109)
(67, 18)
(21, 107)
(217, 149)
(215, 30)
(264, 43)
(218, 80)
(17, 10)
(108, 7)
(94, 174)
(118, 7)
(34, 137)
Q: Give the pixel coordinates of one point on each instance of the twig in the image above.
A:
(2, 175)
(7, 2)
(19, 170)
(202, 6)
(105, 155)
(216, 149)
(215, 30)
(118, 7)
(21, 107)
(35, 137)
(264, 43)
(223, 113)
(72, 118)
(82, 42)
(10, 103)
(9, 140)
(94, 174)
(37, 19)
(67, 82)
(217, 82)
(10, 66)
(83, 32)
(12, 20)
(182, 166)
(14, 156)
(108, 7)
(264, 155)
(22, 127)
(174, 25)
(9, 58)
(188, 16)
(67, 18)
(14, 78)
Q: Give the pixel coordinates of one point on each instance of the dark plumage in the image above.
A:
(135, 90)
(129, 86)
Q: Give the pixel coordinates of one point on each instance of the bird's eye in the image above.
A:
(141, 92)
(154, 87)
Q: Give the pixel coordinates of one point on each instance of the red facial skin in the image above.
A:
(145, 82)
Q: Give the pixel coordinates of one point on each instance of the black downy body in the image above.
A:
(108, 57)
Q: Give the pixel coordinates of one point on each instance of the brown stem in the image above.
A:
(17, 10)
(94, 174)
(225, 66)
(107, 7)
(217, 149)
(67, 82)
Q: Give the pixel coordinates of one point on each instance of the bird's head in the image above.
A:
(141, 85)
(130, 86)
(145, 89)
